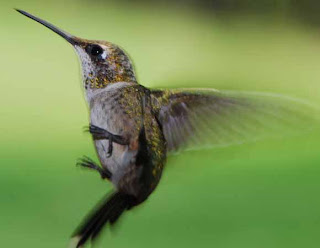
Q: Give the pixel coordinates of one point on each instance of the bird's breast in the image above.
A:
(107, 113)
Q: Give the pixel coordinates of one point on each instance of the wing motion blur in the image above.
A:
(198, 118)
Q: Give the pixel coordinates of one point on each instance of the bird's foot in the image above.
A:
(100, 133)
(89, 163)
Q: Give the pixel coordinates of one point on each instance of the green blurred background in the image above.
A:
(263, 194)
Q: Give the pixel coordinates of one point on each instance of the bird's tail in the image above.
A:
(109, 210)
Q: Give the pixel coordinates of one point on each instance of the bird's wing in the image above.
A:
(197, 118)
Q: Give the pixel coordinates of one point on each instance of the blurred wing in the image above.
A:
(206, 118)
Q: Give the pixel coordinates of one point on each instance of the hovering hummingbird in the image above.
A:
(134, 128)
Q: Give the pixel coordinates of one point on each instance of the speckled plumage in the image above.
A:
(99, 72)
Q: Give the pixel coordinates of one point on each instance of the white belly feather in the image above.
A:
(121, 156)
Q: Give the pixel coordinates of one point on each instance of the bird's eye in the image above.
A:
(95, 50)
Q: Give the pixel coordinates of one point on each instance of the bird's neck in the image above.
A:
(95, 81)
(91, 93)
(102, 79)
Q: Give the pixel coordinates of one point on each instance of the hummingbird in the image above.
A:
(135, 128)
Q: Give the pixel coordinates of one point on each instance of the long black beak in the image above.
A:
(70, 38)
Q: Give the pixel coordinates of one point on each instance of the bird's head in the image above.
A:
(103, 63)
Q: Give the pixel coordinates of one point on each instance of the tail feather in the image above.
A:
(120, 206)
(99, 219)
(117, 213)
(109, 211)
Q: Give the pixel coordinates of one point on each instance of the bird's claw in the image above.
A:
(110, 147)
(90, 164)
(100, 133)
